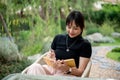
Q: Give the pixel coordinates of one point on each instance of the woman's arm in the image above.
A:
(82, 65)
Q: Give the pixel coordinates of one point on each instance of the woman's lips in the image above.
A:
(71, 34)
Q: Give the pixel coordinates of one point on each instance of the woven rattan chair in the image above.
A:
(41, 61)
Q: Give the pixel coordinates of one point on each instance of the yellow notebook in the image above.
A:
(69, 62)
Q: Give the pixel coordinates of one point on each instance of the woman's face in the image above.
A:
(73, 30)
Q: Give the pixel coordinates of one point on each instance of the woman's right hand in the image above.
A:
(51, 54)
(60, 65)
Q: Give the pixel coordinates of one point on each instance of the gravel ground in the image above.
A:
(103, 67)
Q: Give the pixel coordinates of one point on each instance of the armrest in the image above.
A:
(87, 70)
(39, 60)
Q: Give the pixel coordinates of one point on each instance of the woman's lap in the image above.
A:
(38, 69)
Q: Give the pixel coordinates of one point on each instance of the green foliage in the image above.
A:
(17, 23)
(23, 35)
(33, 48)
(114, 54)
(35, 42)
(83, 5)
(109, 12)
(22, 39)
(117, 40)
(112, 13)
(106, 29)
(91, 28)
(63, 24)
(3, 8)
(116, 49)
(46, 21)
(97, 16)
(11, 67)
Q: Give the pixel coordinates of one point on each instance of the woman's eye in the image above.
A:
(75, 28)
(69, 27)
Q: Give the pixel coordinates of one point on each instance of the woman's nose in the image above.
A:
(71, 30)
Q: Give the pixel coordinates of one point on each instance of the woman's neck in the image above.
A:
(74, 38)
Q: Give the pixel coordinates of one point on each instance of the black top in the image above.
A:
(79, 47)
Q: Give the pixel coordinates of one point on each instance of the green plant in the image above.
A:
(91, 27)
(114, 54)
(116, 49)
(11, 67)
(117, 40)
(35, 39)
(109, 11)
(32, 48)
(22, 39)
(106, 29)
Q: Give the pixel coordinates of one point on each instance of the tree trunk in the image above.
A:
(5, 27)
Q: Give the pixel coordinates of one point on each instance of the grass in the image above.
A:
(115, 53)
(114, 56)
(110, 44)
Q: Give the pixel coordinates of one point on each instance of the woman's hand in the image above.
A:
(60, 65)
(51, 54)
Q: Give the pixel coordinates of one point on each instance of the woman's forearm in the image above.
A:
(77, 72)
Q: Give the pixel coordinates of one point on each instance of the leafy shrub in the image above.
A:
(106, 29)
(22, 38)
(35, 41)
(117, 40)
(91, 28)
(108, 12)
(11, 67)
(116, 49)
(97, 16)
(3, 8)
(32, 48)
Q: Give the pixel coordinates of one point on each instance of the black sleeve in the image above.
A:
(86, 50)
(53, 45)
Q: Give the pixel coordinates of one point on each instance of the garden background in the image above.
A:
(27, 28)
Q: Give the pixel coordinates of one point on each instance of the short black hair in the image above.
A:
(77, 17)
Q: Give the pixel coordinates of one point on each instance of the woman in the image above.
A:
(67, 46)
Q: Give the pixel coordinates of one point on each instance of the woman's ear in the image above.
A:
(66, 28)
